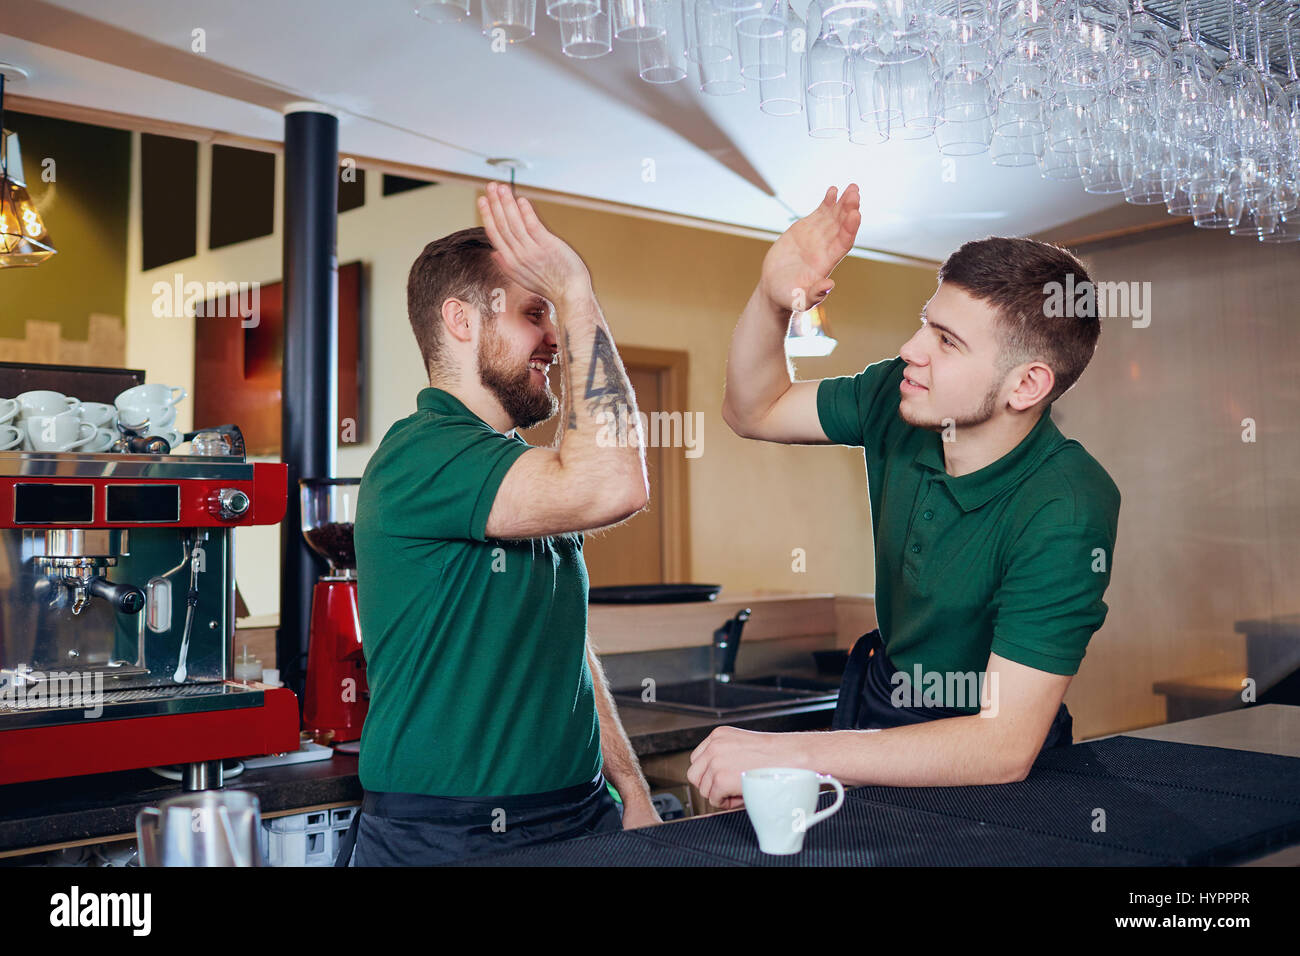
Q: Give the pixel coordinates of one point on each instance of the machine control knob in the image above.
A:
(228, 504)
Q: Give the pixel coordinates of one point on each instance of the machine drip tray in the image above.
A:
(76, 708)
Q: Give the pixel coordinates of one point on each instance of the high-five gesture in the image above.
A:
(762, 400)
(797, 268)
(527, 251)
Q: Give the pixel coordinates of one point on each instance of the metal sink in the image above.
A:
(807, 684)
(709, 696)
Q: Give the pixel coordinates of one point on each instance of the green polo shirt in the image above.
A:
(1012, 559)
(475, 648)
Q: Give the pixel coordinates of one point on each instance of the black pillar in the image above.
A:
(310, 379)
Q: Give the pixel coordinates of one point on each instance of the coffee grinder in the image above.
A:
(336, 696)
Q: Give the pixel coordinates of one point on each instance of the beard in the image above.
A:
(978, 417)
(525, 403)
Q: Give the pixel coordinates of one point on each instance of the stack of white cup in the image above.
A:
(153, 406)
(104, 418)
(44, 420)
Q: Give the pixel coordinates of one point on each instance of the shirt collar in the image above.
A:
(443, 402)
(973, 490)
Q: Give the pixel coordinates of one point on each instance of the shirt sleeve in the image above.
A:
(858, 409)
(1049, 603)
(445, 481)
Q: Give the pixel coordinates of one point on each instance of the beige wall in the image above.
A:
(1208, 523)
(660, 285)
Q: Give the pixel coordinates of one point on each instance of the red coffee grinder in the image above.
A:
(336, 695)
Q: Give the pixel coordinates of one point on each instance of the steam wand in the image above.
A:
(191, 601)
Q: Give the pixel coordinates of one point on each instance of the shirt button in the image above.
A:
(916, 549)
(928, 515)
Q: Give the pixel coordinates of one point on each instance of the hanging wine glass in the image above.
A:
(1192, 99)
(783, 95)
(1145, 64)
(1023, 70)
(1150, 152)
(1243, 136)
(762, 41)
(1066, 137)
(906, 98)
(855, 24)
(1088, 42)
(1190, 109)
(1241, 91)
(1286, 127)
(1272, 136)
(442, 11)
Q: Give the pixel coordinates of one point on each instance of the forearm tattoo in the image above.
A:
(607, 387)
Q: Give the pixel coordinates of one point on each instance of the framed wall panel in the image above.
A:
(238, 369)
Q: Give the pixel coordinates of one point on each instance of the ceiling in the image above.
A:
(436, 96)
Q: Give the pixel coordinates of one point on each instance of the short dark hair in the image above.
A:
(1015, 276)
(457, 266)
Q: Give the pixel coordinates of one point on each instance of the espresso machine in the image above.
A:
(336, 696)
(117, 616)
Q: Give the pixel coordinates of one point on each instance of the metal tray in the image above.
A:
(654, 593)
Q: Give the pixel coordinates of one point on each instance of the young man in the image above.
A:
(993, 533)
(489, 719)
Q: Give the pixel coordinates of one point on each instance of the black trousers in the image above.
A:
(411, 829)
(866, 692)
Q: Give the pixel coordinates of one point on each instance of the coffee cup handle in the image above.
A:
(177, 398)
(821, 815)
(73, 402)
(81, 441)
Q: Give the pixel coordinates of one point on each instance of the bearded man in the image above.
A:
(490, 726)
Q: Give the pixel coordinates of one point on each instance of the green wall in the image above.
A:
(85, 210)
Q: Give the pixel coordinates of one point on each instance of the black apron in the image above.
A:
(866, 689)
(412, 829)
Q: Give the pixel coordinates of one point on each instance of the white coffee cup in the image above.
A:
(62, 432)
(98, 414)
(11, 436)
(158, 416)
(782, 805)
(152, 394)
(102, 441)
(9, 409)
(44, 402)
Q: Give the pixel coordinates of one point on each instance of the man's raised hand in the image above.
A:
(796, 270)
(526, 250)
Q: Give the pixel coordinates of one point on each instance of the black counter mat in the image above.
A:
(1165, 804)
(1243, 773)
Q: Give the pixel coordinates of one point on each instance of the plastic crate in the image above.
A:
(305, 839)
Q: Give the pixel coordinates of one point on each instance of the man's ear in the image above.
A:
(455, 319)
(1036, 383)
